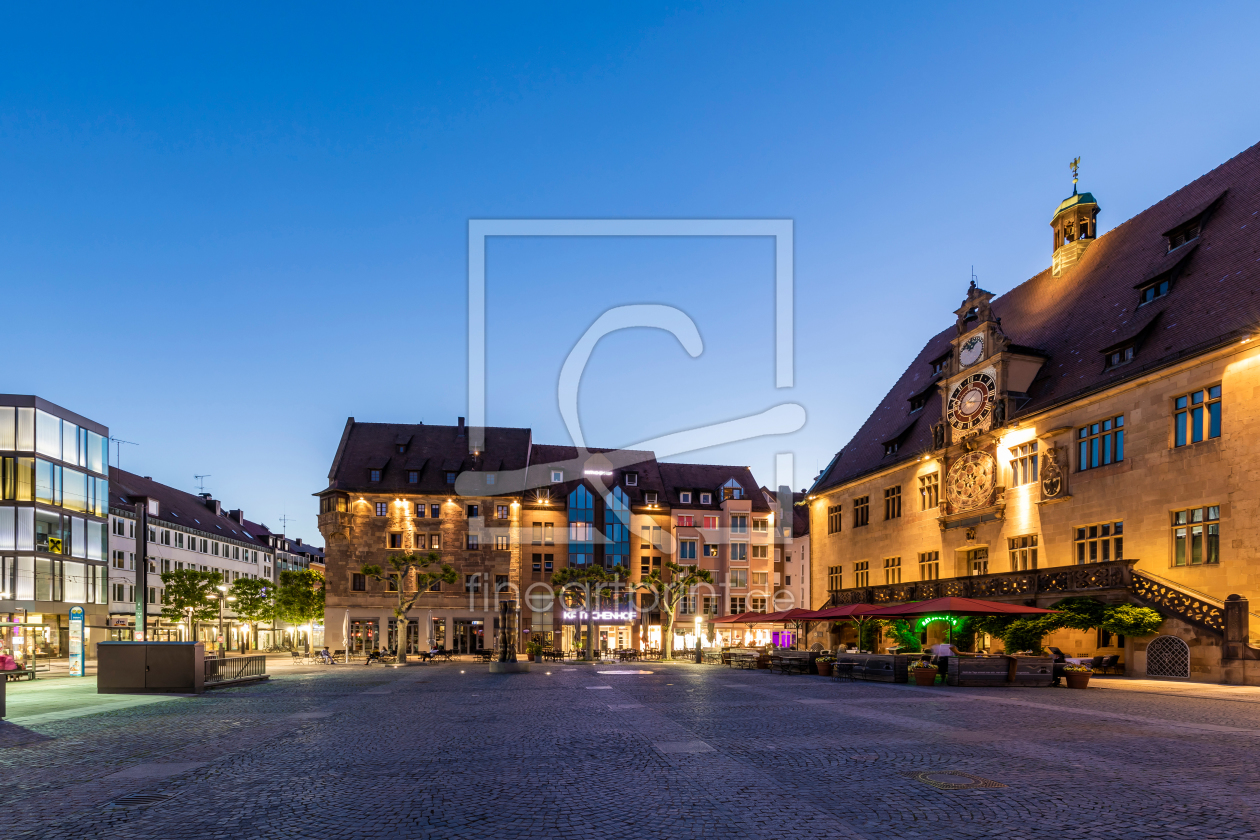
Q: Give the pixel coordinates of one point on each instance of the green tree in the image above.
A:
(1077, 613)
(580, 585)
(406, 570)
(1131, 620)
(669, 594)
(300, 596)
(255, 602)
(190, 595)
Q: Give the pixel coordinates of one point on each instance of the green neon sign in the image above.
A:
(951, 620)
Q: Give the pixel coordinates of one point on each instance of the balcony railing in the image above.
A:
(1055, 580)
(234, 668)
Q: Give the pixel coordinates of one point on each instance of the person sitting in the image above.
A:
(325, 657)
(374, 656)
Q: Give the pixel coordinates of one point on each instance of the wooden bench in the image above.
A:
(18, 674)
(790, 663)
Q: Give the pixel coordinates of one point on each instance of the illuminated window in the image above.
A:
(833, 519)
(929, 565)
(739, 578)
(501, 543)
(892, 570)
(761, 552)
(1197, 536)
(862, 573)
(1099, 444)
(929, 491)
(1024, 464)
(1189, 413)
(892, 502)
(861, 511)
(1099, 543)
(710, 550)
(382, 508)
(1023, 552)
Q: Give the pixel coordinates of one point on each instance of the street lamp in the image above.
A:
(222, 596)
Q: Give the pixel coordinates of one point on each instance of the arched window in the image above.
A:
(617, 528)
(581, 526)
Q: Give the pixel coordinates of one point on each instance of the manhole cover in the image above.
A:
(140, 800)
(952, 780)
(626, 672)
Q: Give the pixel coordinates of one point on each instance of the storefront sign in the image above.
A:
(951, 620)
(76, 642)
(605, 615)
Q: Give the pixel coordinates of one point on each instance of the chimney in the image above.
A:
(298, 540)
(237, 516)
(461, 427)
(213, 504)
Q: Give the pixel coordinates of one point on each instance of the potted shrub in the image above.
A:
(534, 648)
(924, 672)
(1077, 675)
(824, 665)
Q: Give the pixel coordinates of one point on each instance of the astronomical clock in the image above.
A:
(970, 481)
(970, 406)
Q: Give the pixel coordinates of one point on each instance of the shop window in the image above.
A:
(1197, 416)
(1197, 536)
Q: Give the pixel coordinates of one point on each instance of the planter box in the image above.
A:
(1076, 680)
(978, 671)
(824, 669)
(1035, 671)
(924, 676)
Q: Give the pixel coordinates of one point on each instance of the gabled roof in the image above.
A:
(1093, 304)
(430, 450)
(179, 508)
(708, 477)
(616, 462)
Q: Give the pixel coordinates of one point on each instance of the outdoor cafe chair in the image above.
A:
(1109, 663)
(843, 670)
(1097, 663)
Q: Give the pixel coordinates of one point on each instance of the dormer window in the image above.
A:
(1120, 356)
(450, 477)
(684, 497)
(489, 478)
(632, 479)
(402, 447)
(413, 477)
(557, 476)
(732, 489)
(706, 498)
(1154, 290)
(917, 403)
(1182, 234)
(891, 448)
(650, 497)
(374, 475)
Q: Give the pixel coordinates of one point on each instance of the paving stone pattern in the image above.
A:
(685, 751)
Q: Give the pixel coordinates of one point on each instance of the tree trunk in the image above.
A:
(590, 624)
(401, 652)
(667, 635)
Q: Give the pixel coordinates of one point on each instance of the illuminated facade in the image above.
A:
(510, 516)
(1089, 432)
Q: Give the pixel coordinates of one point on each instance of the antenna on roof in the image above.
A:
(118, 450)
(201, 484)
(1075, 165)
(973, 277)
(284, 520)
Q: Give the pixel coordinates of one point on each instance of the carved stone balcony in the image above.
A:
(1060, 581)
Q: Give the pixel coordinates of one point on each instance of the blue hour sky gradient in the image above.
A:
(225, 229)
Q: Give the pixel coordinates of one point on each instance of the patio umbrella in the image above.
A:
(857, 613)
(954, 606)
(345, 633)
(430, 629)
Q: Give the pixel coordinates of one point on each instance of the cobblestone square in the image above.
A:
(450, 751)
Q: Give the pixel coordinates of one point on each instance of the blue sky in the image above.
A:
(223, 230)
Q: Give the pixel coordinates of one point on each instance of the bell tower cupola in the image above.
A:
(1075, 225)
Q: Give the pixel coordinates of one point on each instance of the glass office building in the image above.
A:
(54, 505)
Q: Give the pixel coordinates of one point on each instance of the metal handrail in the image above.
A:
(238, 667)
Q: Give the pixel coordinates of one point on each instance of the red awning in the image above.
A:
(741, 618)
(847, 611)
(954, 606)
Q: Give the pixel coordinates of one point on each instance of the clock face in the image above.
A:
(971, 480)
(971, 351)
(971, 402)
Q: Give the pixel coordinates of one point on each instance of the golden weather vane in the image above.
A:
(1075, 165)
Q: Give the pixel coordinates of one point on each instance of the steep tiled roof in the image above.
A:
(544, 457)
(429, 450)
(1093, 305)
(708, 477)
(180, 508)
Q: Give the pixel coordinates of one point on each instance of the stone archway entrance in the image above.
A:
(1169, 657)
